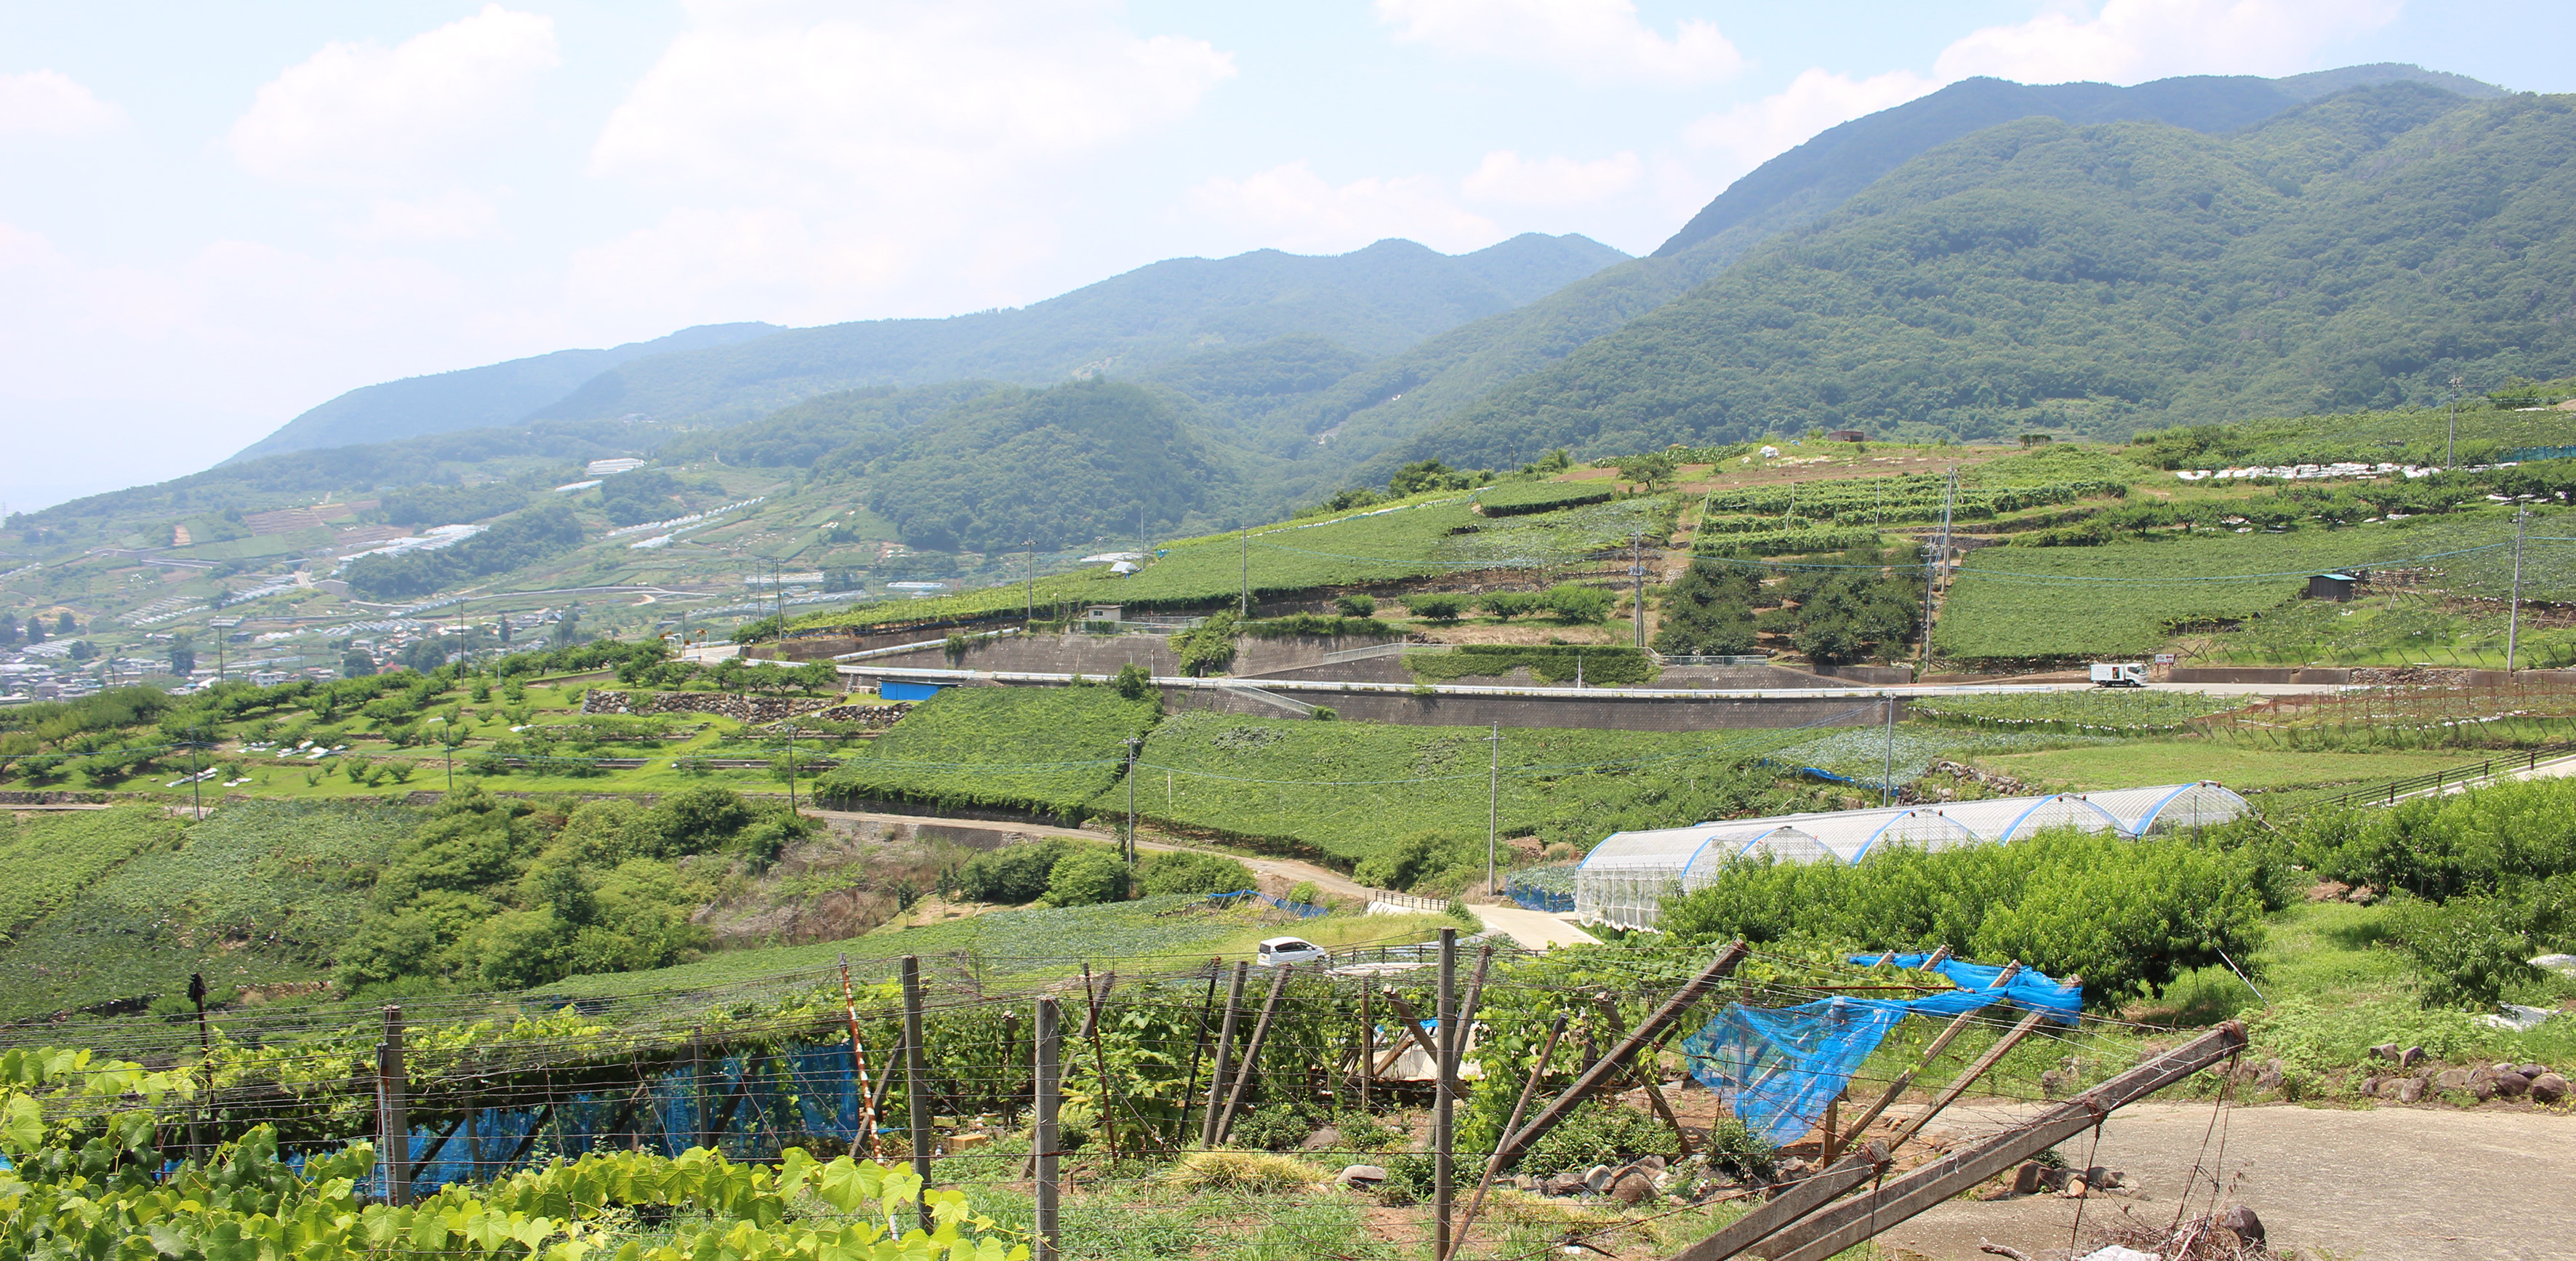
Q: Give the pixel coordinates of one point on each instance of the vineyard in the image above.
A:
(1511, 499)
(2529, 711)
(51, 859)
(1044, 749)
(1877, 501)
(2099, 712)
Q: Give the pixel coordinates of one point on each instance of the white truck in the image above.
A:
(2120, 674)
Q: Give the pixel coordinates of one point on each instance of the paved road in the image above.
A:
(1290, 870)
(1535, 930)
(2425, 1184)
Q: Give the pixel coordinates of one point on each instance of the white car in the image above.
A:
(1279, 950)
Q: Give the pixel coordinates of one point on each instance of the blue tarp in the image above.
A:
(895, 691)
(1779, 1066)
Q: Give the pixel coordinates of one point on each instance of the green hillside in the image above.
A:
(1374, 301)
(471, 398)
(2353, 253)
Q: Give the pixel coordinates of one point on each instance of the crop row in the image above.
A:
(2082, 713)
(50, 860)
(1043, 749)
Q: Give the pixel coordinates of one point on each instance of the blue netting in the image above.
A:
(1777, 1067)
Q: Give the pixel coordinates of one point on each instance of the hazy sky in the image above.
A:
(215, 216)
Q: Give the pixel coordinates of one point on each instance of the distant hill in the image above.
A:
(2355, 252)
(471, 398)
(1372, 302)
(1391, 400)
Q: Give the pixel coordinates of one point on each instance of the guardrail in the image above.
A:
(2397, 790)
(1408, 900)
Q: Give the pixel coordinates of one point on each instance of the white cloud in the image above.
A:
(454, 215)
(1293, 208)
(363, 113)
(904, 104)
(1506, 176)
(51, 103)
(1754, 132)
(2130, 41)
(1592, 39)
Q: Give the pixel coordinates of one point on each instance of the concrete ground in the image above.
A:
(2435, 1184)
(1534, 930)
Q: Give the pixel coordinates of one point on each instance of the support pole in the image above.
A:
(1444, 1075)
(1546, 1054)
(1608, 1065)
(1224, 1052)
(1050, 1038)
(1957, 1026)
(1960, 1085)
(1493, 807)
(859, 1067)
(2513, 619)
(1252, 1053)
(394, 1126)
(1798, 1201)
(916, 1086)
(1100, 1058)
(697, 1092)
(1854, 1221)
(1198, 1050)
(1368, 1045)
(1245, 609)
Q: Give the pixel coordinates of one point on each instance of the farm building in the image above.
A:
(1624, 879)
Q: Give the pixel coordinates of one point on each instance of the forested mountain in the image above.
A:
(2356, 252)
(1395, 398)
(1373, 301)
(471, 398)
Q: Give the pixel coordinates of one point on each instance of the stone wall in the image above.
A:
(751, 709)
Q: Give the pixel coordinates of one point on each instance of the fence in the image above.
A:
(1406, 901)
(1301, 910)
(2397, 790)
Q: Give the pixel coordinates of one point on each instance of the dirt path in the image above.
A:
(2437, 1184)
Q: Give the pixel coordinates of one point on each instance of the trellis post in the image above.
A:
(1049, 1042)
(916, 1090)
(393, 1123)
(1444, 1071)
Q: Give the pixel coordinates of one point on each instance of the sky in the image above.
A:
(213, 217)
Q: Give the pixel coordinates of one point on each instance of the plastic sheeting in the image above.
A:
(1778, 1067)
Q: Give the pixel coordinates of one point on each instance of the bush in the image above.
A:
(1012, 874)
(1355, 604)
(1506, 605)
(1086, 876)
(1132, 682)
(1438, 608)
(1412, 859)
(1306, 892)
(2472, 949)
(1571, 602)
(1183, 871)
(1598, 1133)
(1277, 1127)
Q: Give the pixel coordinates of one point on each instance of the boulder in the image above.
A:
(1361, 1176)
(2452, 1079)
(2269, 1079)
(1569, 1182)
(2409, 1090)
(2388, 1051)
(2531, 1070)
(2512, 1085)
(1598, 1178)
(2029, 1178)
(2410, 1057)
(1633, 1187)
(2370, 1086)
(2243, 1222)
(2052, 1083)
(2548, 1088)
(1651, 1164)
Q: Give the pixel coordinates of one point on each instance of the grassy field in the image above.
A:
(2124, 599)
(2140, 763)
(1049, 749)
(1348, 789)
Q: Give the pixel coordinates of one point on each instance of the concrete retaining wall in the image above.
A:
(1101, 655)
(1681, 713)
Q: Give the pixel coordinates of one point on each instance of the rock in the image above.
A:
(1633, 1187)
(2484, 1088)
(2512, 1085)
(2388, 1051)
(1361, 1176)
(2052, 1083)
(1569, 1182)
(2270, 1078)
(2027, 1180)
(2370, 1087)
(1597, 1178)
(2410, 1057)
(1651, 1164)
(2410, 1090)
(2452, 1079)
(2531, 1070)
(2075, 1189)
(2548, 1088)
(2243, 1222)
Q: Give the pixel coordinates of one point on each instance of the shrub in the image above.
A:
(1506, 605)
(1306, 892)
(1184, 871)
(1012, 874)
(1410, 859)
(1438, 608)
(1207, 648)
(2470, 950)
(1355, 604)
(1224, 1170)
(1598, 1133)
(1132, 682)
(1087, 876)
(1572, 602)
(1277, 1127)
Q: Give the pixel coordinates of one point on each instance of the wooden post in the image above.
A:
(1198, 1051)
(1904, 1079)
(1368, 1045)
(1799, 1200)
(1049, 1039)
(697, 1091)
(1100, 1059)
(1546, 1054)
(1856, 1220)
(1444, 1075)
(1252, 1053)
(394, 1124)
(1602, 1069)
(1968, 1078)
(916, 1084)
(859, 1065)
(1224, 1051)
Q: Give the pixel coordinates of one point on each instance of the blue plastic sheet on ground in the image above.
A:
(1777, 1067)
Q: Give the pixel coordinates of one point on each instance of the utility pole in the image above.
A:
(1637, 577)
(1932, 567)
(1493, 806)
(791, 767)
(2513, 620)
(1245, 610)
(2451, 444)
(1032, 546)
(1132, 742)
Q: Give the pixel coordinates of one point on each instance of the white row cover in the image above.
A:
(1625, 878)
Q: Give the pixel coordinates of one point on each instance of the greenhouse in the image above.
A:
(1626, 877)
